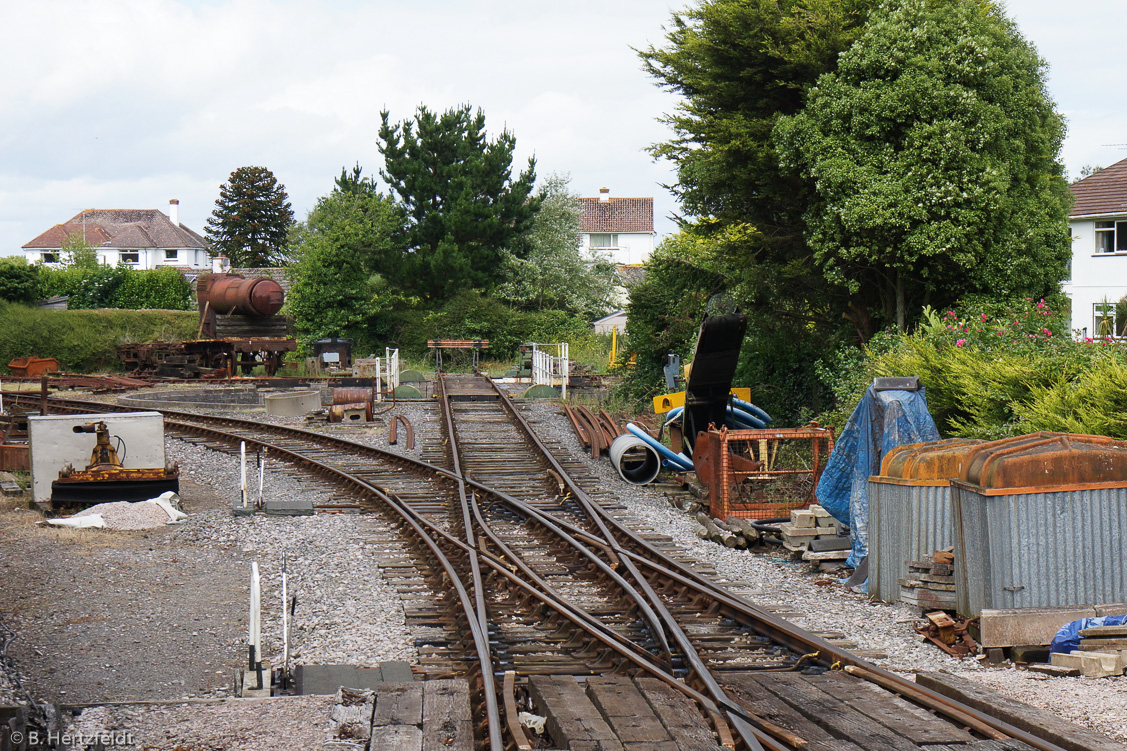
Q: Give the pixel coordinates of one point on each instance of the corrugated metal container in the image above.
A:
(910, 514)
(1040, 522)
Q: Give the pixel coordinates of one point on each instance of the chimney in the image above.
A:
(604, 195)
(174, 212)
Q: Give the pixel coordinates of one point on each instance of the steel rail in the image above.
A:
(776, 628)
(768, 624)
(747, 732)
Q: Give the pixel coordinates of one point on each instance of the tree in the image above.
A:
(349, 236)
(933, 151)
(19, 280)
(737, 66)
(77, 253)
(251, 219)
(552, 273)
(463, 208)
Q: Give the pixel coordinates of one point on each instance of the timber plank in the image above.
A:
(897, 714)
(571, 717)
(831, 713)
(626, 710)
(679, 714)
(398, 704)
(447, 724)
(748, 693)
(1034, 721)
(396, 738)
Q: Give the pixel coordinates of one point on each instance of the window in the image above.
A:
(130, 256)
(1111, 237)
(50, 257)
(171, 255)
(611, 240)
(1107, 321)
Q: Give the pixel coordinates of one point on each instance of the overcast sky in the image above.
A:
(128, 103)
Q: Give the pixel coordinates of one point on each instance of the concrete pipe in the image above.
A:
(635, 460)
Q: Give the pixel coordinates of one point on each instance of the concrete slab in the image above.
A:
(300, 507)
(327, 679)
(1117, 608)
(294, 404)
(238, 509)
(1016, 627)
(396, 671)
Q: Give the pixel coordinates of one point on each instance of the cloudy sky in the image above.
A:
(128, 103)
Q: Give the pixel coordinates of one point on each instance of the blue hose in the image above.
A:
(761, 414)
(676, 461)
(745, 418)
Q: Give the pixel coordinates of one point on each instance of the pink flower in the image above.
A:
(960, 343)
(1046, 332)
(1087, 340)
(984, 316)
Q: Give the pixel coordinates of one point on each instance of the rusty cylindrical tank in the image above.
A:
(231, 293)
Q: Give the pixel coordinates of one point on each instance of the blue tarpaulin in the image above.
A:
(1068, 638)
(882, 421)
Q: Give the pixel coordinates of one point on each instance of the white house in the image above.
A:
(1099, 251)
(621, 229)
(141, 238)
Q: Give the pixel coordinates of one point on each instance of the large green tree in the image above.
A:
(737, 66)
(550, 272)
(462, 204)
(348, 238)
(19, 280)
(933, 152)
(251, 220)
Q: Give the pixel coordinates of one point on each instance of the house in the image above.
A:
(622, 229)
(141, 238)
(1098, 224)
(616, 320)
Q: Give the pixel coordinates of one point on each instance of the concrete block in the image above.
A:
(1014, 627)
(803, 519)
(818, 511)
(250, 680)
(238, 509)
(293, 404)
(1116, 608)
(300, 507)
(1099, 664)
(1069, 661)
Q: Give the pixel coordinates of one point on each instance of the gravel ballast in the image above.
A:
(194, 577)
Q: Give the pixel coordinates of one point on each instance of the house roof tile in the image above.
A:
(121, 228)
(617, 215)
(1105, 192)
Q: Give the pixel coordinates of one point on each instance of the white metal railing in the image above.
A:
(549, 369)
(387, 369)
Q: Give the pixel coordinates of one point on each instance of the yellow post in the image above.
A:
(613, 346)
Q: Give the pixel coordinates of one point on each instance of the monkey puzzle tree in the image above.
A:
(251, 220)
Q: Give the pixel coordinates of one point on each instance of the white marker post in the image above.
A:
(285, 625)
(261, 476)
(243, 465)
(254, 635)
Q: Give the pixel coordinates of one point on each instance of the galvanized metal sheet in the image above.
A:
(1049, 549)
(906, 523)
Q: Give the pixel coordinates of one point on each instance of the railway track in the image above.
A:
(530, 578)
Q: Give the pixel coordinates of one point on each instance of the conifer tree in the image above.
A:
(251, 220)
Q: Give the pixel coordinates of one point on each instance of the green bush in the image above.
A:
(85, 341)
(96, 287)
(470, 315)
(996, 369)
(19, 281)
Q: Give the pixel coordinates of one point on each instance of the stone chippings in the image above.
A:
(1099, 704)
(346, 612)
